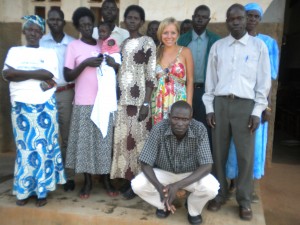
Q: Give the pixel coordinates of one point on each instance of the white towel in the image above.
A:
(106, 99)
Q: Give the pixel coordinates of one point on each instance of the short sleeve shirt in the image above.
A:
(86, 84)
(162, 150)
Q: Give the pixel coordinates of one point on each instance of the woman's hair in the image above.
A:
(162, 26)
(137, 9)
(81, 12)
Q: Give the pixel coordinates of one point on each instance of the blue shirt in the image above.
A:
(47, 41)
(198, 46)
(273, 53)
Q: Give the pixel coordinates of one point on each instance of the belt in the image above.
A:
(64, 88)
(198, 85)
(231, 96)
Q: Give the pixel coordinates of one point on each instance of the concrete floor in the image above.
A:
(67, 208)
(279, 192)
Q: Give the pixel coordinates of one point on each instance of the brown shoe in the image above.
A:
(245, 213)
(214, 205)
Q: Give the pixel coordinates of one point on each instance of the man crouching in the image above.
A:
(177, 156)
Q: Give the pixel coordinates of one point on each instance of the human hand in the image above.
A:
(169, 196)
(93, 61)
(253, 123)
(210, 119)
(144, 110)
(266, 116)
(110, 60)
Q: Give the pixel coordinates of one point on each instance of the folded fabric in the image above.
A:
(106, 99)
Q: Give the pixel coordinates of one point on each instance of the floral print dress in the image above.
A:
(171, 88)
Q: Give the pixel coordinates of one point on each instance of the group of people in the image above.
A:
(159, 111)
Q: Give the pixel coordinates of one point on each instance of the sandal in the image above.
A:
(40, 202)
(22, 202)
(128, 194)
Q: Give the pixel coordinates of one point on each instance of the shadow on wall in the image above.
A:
(10, 36)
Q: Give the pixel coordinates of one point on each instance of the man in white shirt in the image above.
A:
(56, 39)
(110, 13)
(236, 89)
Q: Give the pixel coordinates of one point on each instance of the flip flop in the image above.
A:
(41, 202)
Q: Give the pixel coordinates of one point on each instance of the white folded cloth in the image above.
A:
(106, 99)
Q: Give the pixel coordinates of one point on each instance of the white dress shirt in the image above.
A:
(47, 41)
(119, 34)
(239, 67)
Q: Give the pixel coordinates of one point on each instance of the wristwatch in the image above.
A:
(146, 104)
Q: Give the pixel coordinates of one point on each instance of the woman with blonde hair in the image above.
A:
(174, 71)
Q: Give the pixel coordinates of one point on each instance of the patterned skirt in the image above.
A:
(38, 165)
(129, 139)
(88, 151)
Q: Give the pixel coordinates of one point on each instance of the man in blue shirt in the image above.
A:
(199, 40)
(58, 40)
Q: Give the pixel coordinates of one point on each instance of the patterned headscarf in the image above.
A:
(36, 20)
(254, 6)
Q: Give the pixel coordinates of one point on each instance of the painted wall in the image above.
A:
(12, 10)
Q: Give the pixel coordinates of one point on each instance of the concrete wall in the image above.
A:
(12, 11)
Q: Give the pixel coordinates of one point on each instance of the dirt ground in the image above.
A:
(280, 187)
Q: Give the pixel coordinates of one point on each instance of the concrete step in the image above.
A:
(66, 208)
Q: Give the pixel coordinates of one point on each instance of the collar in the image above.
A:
(117, 29)
(195, 35)
(242, 40)
(190, 133)
(49, 37)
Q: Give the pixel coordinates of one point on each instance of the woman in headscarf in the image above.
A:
(254, 16)
(30, 70)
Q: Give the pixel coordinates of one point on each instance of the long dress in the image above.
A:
(88, 151)
(261, 134)
(171, 88)
(38, 164)
(136, 73)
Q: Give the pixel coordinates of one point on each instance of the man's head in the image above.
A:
(152, 30)
(180, 117)
(236, 20)
(186, 26)
(110, 11)
(201, 18)
(56, 20)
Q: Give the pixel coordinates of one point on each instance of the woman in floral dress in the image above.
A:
(174, 71)
(136, 79)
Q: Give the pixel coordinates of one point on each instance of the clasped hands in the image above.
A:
(167, 196)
